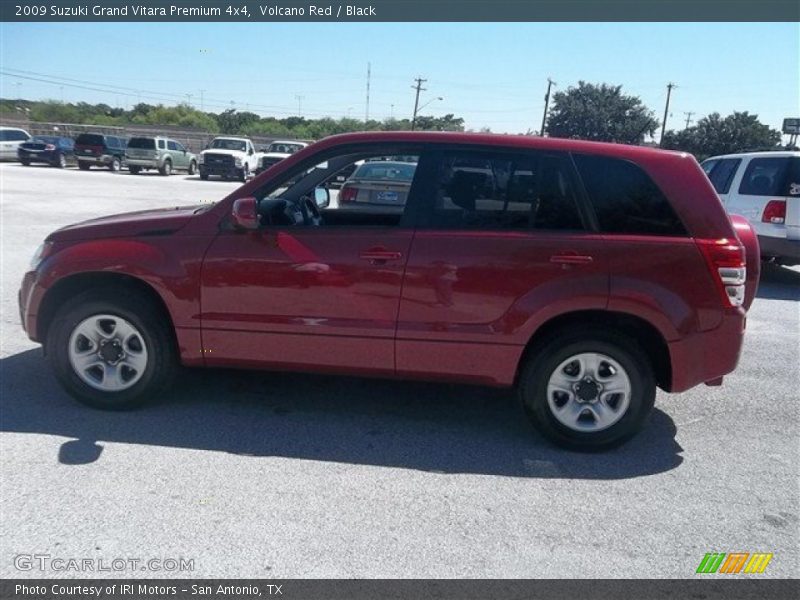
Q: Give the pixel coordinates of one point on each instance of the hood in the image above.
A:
(163, 221)
(280, 155)
(223, 151)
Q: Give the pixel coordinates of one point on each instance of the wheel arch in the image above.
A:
(70, 286)
(647, 335)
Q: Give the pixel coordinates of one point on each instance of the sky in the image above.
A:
(491, 74)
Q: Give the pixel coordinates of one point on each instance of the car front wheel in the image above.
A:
(115, 164)
(111, 351)
(587, 390)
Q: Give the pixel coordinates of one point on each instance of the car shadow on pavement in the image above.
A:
(429, 427)
(778, 283)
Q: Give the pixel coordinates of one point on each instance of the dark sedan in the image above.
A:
(54, 150)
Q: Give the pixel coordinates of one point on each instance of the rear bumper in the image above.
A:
(105, 159)
(784, 251)
(44, 157)
(145, 163)
(709, 355)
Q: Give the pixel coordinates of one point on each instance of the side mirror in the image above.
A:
(250, 151)
(322, 197)
(245, 213)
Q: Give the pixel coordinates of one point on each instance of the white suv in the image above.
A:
(763, 187)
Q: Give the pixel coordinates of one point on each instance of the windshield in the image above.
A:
(142, 142)
(90, 139)
(45, 139)
(284, 148)
(224, 144)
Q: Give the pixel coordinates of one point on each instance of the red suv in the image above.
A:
(584, 274)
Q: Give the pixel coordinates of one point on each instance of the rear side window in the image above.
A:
(502, 191)
(772, 176)
(720, 172)
(90, 139)
(625, 199)
(161, 145)
(143, 143)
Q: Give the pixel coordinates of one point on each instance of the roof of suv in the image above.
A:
(766, 153)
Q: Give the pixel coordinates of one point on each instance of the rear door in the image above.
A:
(503, 236)
(176, 153)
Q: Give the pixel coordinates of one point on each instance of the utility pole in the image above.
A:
(688, 118)
(366, 114)
(419, 89)
(550, 83)
(299, 104)
(670, 85)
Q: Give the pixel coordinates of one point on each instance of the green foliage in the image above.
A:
(229, 122)
(714, 135)
(600, 113)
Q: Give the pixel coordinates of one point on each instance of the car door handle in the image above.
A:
(380, 256)
(571, 259)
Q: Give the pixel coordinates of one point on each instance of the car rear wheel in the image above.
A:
(166, 168)
(588, 390)
(83, 166)
(192, 168)
(115, 164)
(111, 350)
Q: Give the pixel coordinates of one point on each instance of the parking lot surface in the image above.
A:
(276, 475)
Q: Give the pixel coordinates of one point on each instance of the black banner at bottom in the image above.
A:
(444, 589)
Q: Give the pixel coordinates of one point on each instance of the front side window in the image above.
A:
(503, 191)
(112, 142)
(172, 145)
(625, 199)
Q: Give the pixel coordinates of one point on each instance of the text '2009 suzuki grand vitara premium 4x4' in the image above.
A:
(584, 274)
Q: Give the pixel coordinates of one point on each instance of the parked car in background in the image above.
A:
(763, 187)
(276, 152)
(229, 158)
(164, 154)
(97, 149)
(54, 150)
(584, 274)
(10, 139)
(383, 183)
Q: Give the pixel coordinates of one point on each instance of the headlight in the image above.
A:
(238, 162)
(41, 253)
(201, 159)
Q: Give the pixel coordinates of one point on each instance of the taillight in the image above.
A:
(348, 194)
(726, 261)
(49, 147)
(774, 212)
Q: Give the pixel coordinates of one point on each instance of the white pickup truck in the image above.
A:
(229, 158)
(277, 151)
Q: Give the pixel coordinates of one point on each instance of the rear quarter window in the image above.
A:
(625, 199)
(720, 172)
(771, 176)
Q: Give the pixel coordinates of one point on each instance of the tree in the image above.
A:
(446, 123)
(600, 113)
(714, 135)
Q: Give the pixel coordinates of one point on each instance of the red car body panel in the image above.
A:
(459, 305)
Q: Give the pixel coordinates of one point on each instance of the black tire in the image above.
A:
(134, 170)
(203, 175)
(145, 316)
(115, 165)
(244, 174)
(192, 168)
(25, 162)
(166, 168)
(84, 166)
(543, 360)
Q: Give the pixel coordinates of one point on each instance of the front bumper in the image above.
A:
(784, 251)
(25, 298)
(220, 170)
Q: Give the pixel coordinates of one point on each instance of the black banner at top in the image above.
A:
(398, 10)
